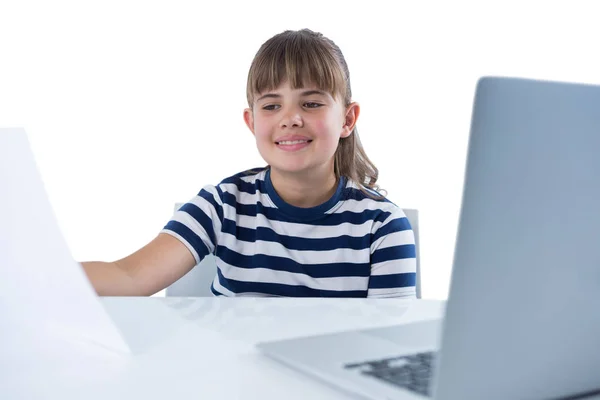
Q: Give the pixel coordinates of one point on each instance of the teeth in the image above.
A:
(288, 142)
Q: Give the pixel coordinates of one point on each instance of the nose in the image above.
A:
(291, 119)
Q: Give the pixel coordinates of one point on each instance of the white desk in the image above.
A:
(203, 348)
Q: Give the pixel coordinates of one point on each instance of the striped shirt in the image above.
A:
(350, 246)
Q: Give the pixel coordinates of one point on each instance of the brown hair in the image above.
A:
(303, 57)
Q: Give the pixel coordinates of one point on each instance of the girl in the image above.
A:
(310, 223)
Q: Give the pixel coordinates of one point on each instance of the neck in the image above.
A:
(306, 189)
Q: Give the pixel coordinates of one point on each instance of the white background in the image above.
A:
(132, 106)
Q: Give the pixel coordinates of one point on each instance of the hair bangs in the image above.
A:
(300, 60)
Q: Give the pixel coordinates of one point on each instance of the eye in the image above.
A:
(270, 107)
(312, 105)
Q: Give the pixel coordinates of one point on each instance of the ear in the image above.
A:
(249, 119)
(352, 113)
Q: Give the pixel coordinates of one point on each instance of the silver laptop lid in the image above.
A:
(523, 317)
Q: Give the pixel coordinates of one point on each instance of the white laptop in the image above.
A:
(523, 316)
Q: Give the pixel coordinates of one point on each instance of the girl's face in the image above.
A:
(298, 130)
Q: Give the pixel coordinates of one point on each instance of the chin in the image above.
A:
(289, 167)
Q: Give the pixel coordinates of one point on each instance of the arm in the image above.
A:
(166, 258)
(143, 273)
(393, 258)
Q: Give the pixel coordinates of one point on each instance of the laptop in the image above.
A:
(522, 319)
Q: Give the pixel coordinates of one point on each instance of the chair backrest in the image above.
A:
(413, 217)
(197, 282)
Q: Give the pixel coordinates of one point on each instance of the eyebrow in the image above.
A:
(311, 92)
(305, 93)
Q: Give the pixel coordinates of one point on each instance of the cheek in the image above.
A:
(327, 128)
(323, 127)
(261, 129)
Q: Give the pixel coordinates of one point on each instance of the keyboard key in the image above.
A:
(412, 372)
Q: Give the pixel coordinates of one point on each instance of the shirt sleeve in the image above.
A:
(197, 223)
(393, 258)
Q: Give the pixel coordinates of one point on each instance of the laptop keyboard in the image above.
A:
(412, 372)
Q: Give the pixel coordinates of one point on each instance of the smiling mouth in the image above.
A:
(292, 142)
(292, 146)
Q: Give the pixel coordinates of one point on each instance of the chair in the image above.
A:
(196, 283)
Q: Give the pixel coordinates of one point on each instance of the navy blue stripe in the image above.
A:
(241, 209)
(274, 214)
(279, 289)
(244, 186)
(215, 291)
(357, 194)
(286, 264)
(200, 216)
(187, 234)
(396, 225)
(394, 253)
(296, 243)
(382, 216)
(393, 281)
(261, 186)
(209, 197)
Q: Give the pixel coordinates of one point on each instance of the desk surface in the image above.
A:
(204, 348)
(200, 348)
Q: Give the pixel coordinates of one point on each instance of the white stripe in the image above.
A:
(407, 292)
(253, 178)
(302, 230)
(266, 275)
(358, 206)
(229, 210)
(246, 198)
(300, 256)
(402, 266)
(394, 239)
(254, 294)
